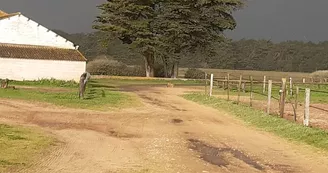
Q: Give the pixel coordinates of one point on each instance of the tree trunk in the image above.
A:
(149, 65)
(166, 74)
(165, 65)
(175, 70)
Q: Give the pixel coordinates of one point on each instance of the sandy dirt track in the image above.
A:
(167, 135)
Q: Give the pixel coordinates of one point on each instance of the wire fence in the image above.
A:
(288, 99)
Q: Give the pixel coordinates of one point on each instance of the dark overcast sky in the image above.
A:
(278, 20)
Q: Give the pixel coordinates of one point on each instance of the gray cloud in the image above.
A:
(281, 20)
(69, 15)
(278, 20)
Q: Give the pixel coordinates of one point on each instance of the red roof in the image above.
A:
(19, 51)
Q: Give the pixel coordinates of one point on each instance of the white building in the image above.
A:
(29, 51)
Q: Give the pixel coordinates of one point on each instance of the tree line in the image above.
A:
(245, 54)
(288, 56)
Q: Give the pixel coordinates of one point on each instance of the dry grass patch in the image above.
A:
(19, 146)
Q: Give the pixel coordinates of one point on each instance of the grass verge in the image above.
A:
(19, 146)
(281, 127)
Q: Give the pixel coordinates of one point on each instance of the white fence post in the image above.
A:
(306, 120)
(264, 82)
(269, 96)
(211, 85)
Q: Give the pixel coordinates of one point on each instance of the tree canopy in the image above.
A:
(166, 28)
(131, 22)
(189, 25)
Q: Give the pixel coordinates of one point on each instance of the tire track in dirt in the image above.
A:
(167, 135)
(87, 151)
(239, 139)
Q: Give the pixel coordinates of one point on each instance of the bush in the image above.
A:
(113, 68)
(159, 70)
(320, 74)
(194, 73)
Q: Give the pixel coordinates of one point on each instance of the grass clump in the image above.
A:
(281, 127)
(19, 146)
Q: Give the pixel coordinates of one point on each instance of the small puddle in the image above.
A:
(216, 156)
(176, 121)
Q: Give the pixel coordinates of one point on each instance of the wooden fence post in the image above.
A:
(291, 86)
(306, 120)
(228, 86)
(282, 98)
(206, 84)
(225, 82)
(269, 96)
(264, 82)
(296, 102)
(251, 92)
(239, 85)
(211, 85)
(243, 87)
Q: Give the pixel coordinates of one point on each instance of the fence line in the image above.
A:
(289, 92)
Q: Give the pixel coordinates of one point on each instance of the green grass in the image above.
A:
(100, 95)
(281, 127)
(46, 83)
(95, 98)
(19, 146)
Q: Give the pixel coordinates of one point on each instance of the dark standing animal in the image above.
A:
(83, 83)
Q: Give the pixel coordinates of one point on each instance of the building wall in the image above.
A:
(22, 69)
(21, 30)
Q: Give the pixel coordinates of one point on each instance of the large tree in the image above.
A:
(193, 25)
(131, 22)
(168, 28)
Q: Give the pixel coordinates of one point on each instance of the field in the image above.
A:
(257, 75)
(138, 125)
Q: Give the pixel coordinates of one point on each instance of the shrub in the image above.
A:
(113, 68)
(159, 70)
(320, 74)
(194, 73)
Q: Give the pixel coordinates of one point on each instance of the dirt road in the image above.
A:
(167, 135)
